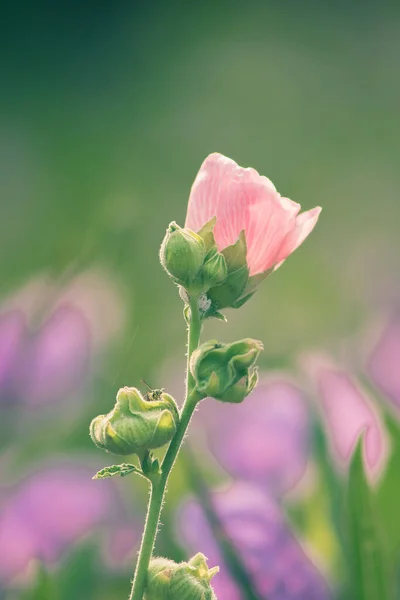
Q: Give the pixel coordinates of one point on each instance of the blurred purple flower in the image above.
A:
(121, 543)
(12, 331)
(253, 521)
(49, 512)
(384, 363)
(265, 439)
(347, 413)
(55, 360)
(43, 365)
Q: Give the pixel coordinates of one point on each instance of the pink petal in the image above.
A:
(17, 544)
(57, 358)
(264, 440)
(305, 223)
(269, 224)
(384, 363)
(241, 199)
(347, 414)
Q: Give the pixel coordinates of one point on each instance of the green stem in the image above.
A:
(158, 486)
(148, 539)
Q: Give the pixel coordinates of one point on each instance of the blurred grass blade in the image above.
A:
(44, 587)
(369, 572)
(388, 494)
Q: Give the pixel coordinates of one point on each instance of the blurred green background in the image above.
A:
(108, 110)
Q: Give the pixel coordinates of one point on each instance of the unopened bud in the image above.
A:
(232, 288)
(226, 371)
(182, 254)
(214, 270)
(190, 580)
(136, 425)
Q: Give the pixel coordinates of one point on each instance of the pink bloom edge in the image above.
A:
(242, 199)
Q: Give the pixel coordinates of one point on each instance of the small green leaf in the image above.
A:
(369, 576)
(219, 316)
(123, 470)
(150, 465)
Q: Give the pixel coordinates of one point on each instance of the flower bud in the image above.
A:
(237, 286)
(214, 270)
(168, 580)
(233, 286)
(226, 371)
(182, 254)
(136, 425)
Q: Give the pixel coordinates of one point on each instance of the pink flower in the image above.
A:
(384, 362)
(48, 513)
(348, 413)
(265, 440)
(241, 199)
(56, 359)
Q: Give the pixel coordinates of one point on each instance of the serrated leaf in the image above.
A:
(369, 572)
(123, 470)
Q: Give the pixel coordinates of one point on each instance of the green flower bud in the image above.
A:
(190, 580)
(136, 425)
(214, 270)
(233, 286)
(182, 254)
(226, 371)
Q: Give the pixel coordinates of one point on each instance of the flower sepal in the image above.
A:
(250, 288)
(226, 372)
(237, 287)
(190, 580)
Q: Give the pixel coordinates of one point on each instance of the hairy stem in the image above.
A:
(149, 536)
(158, 486)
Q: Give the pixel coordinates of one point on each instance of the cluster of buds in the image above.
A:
(226, 372)
(190, 580)
(136, 424)
(193, 261)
